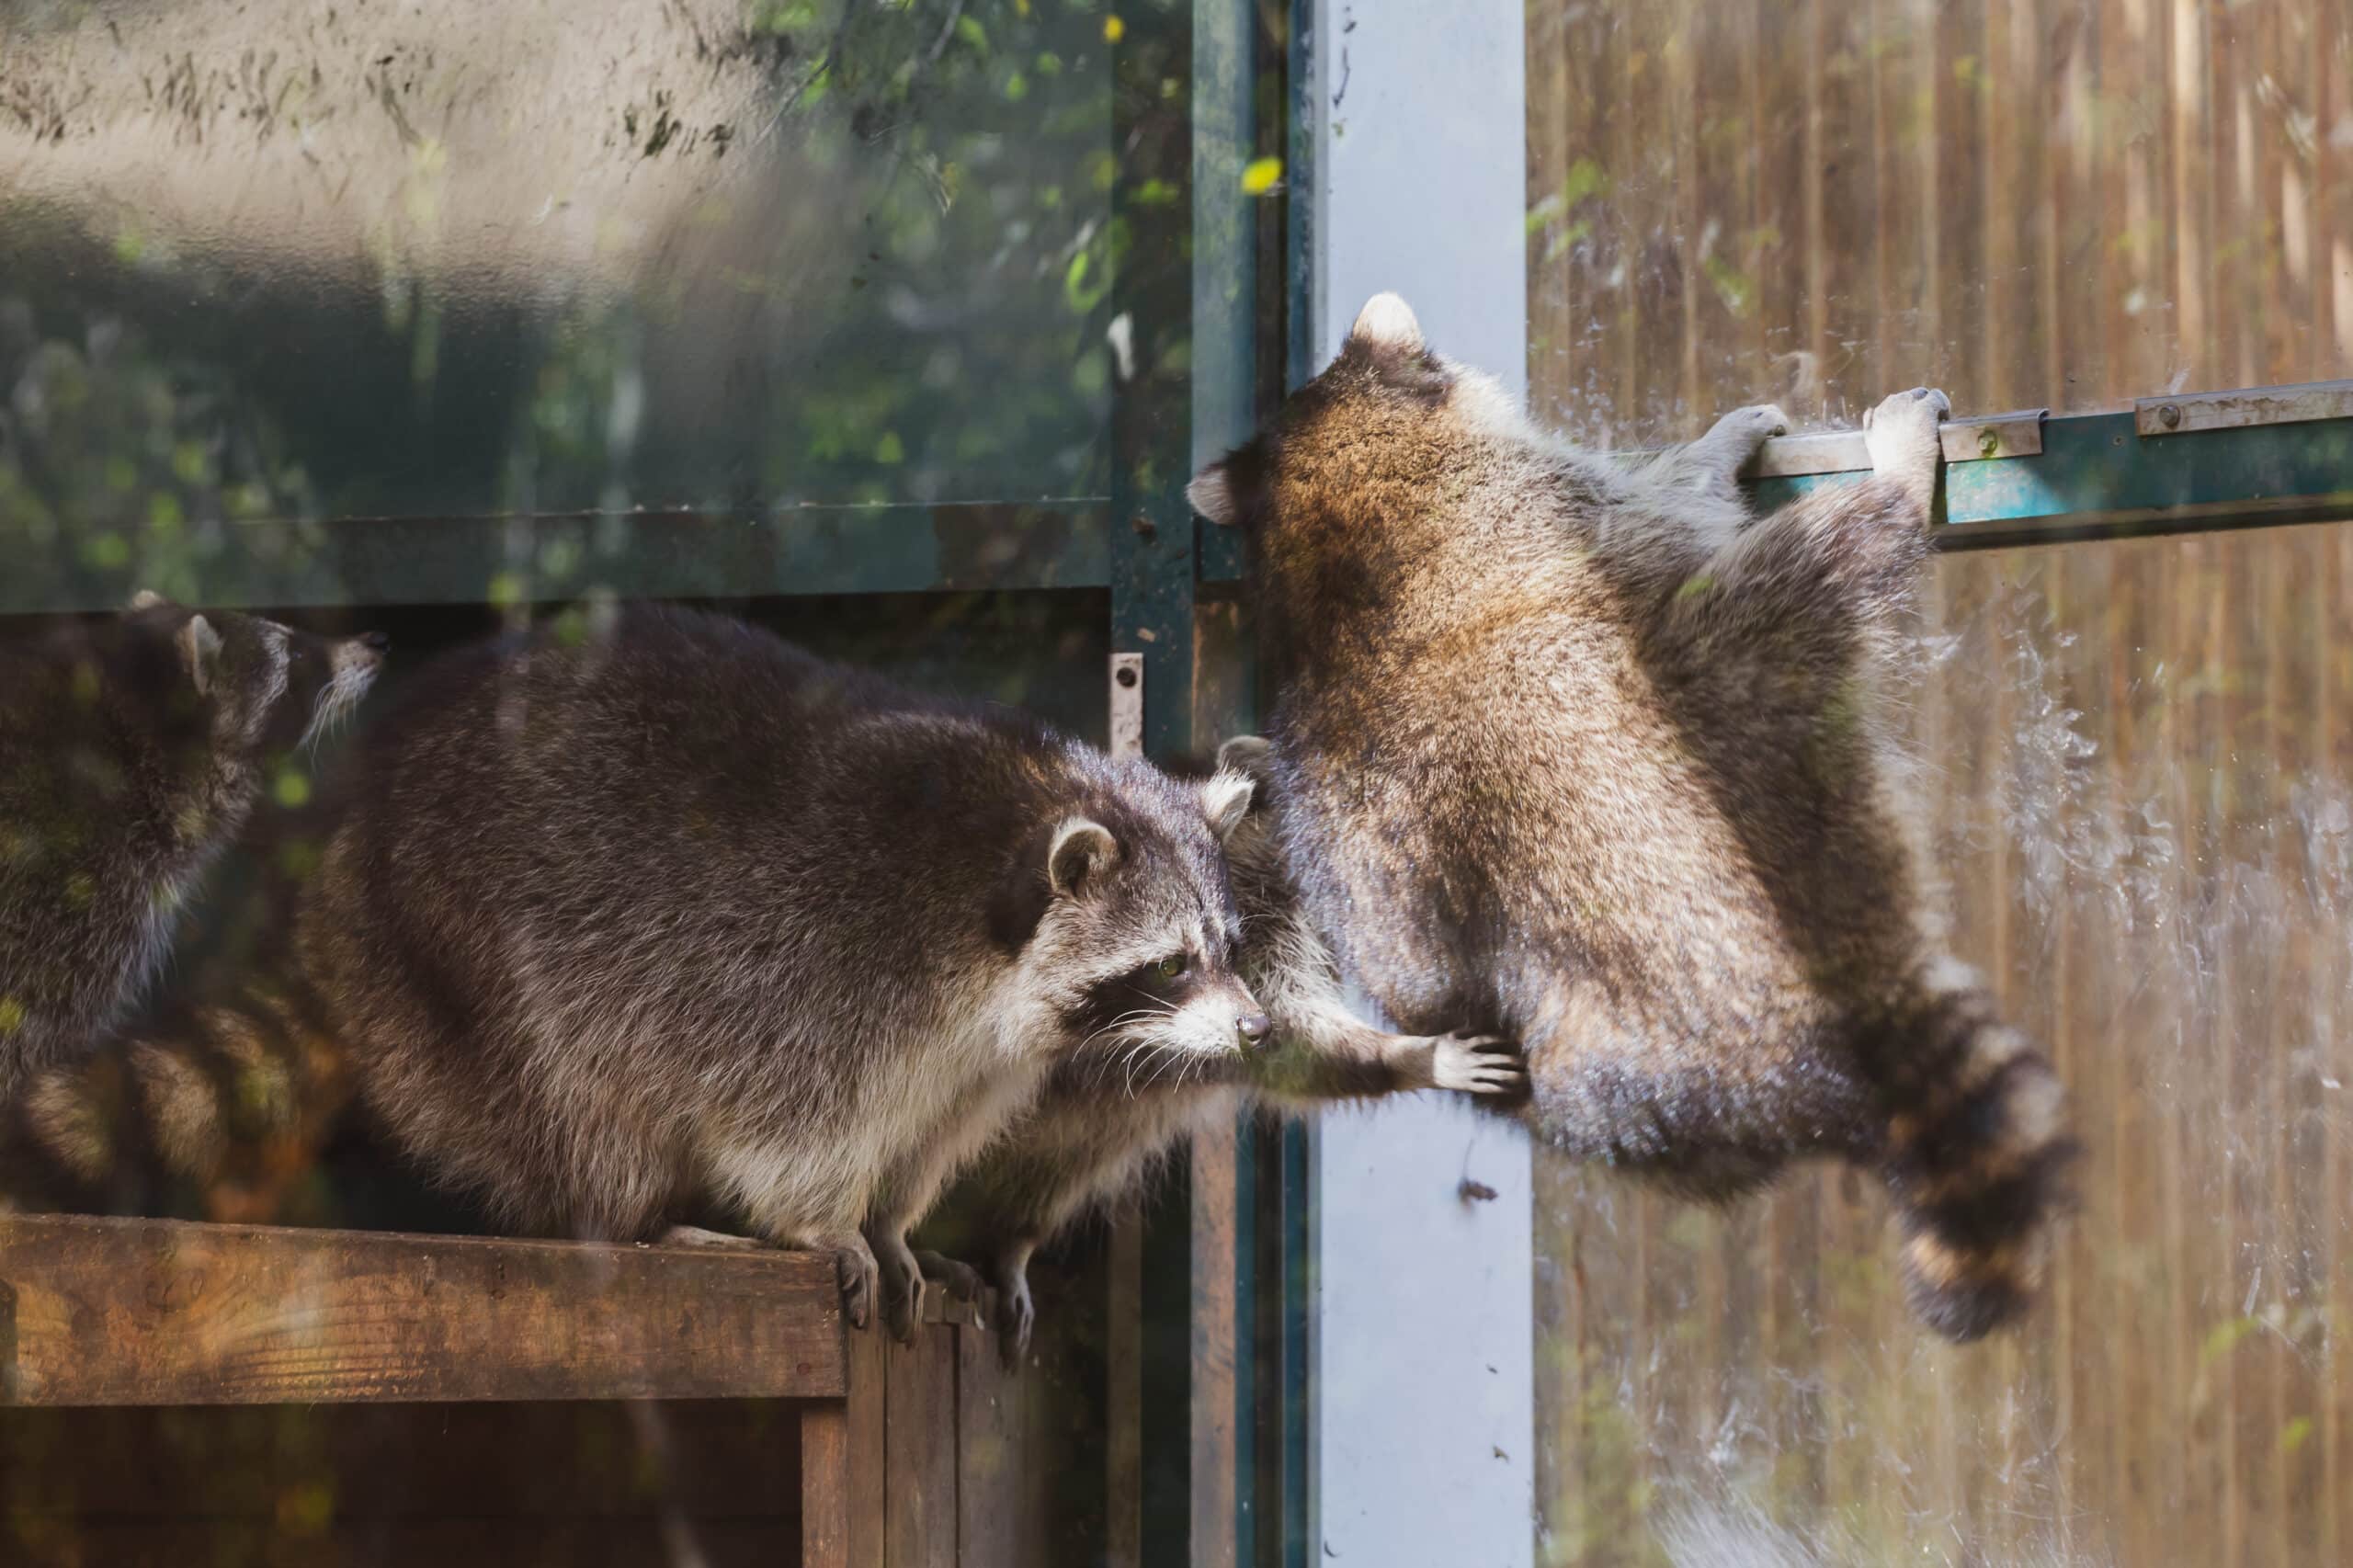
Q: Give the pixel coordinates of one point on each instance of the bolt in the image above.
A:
(1127, 675)
(1989, 443)
(2169, 416)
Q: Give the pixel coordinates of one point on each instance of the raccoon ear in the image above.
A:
(200, 648)
(1225, 798)
(1246, 754)
(1082, 850)
(146, 599)
(1211, 494)
(1387, 322)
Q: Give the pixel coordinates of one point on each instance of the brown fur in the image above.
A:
(1587, 755)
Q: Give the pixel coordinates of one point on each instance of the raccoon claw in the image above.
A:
(1475, 1064)
(962, 1281)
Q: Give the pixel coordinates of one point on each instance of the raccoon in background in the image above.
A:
(1106, 1116)
(649, 915)
(132, 751)
(1590, 757)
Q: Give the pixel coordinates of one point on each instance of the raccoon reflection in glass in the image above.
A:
(132, 749)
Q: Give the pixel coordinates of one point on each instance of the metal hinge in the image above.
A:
(2237, 410)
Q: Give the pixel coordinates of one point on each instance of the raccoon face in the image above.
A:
(1136, 946)
(268, 688)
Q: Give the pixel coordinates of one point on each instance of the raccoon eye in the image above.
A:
(1170, 968)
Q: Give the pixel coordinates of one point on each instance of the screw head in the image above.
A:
(1989, 443)
(1127, 675)
(2169, 416)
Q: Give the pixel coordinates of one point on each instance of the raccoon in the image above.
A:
(1584, 754)
(619, 927)
(132, 751)
(1106, 1117)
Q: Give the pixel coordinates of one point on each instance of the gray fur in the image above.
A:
(1105, 1121)
(132, 751)
(673, 918)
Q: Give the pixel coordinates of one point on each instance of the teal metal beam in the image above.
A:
(2097, 476)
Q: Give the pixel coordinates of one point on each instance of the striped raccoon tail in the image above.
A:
(1976, 1154)
(215, 1113)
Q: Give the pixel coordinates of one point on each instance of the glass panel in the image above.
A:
(270, 264)
(2027, 202)
(475, 323)
(2142, 773)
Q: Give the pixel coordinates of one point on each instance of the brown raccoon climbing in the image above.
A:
(1584, 754)
(1105, 1119)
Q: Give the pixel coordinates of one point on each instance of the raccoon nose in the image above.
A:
(1255, 1026)
(375, 641)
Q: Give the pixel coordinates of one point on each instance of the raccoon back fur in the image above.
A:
(1592, 758)
(618, 929)
(1105, 1119)
(132, 751)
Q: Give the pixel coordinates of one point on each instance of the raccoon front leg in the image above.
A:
(1842, 560)
(1712, 464)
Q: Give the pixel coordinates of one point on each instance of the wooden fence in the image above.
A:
(2139, 764)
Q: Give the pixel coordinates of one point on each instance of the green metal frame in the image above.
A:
(2097, 476)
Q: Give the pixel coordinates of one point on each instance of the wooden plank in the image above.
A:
(151, 1312)
(445, 1543)
(824, 1486)
(1214, 1190)
(867, 1428)
(990, 1519)
(919, 1441)
(339, 1465)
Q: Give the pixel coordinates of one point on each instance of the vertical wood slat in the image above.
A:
(866, 1432)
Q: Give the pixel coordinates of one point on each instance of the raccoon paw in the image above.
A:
(1752, 427)
(964, 1281)
(1016, 1315)
(1475, 1064)
(859, 1277)
(902, 1282)
(1901, 433)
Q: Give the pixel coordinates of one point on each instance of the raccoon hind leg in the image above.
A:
(1673, 1107)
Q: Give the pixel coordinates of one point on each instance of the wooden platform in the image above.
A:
(175, 1394)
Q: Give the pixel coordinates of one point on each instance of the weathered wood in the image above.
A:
(824, 1486)
(866, 1429)
(990, 1496)
(140, 1312)
(919, 1501)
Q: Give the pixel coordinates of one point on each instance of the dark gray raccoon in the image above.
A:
(626, 925)
(132, 751)
(1108, 1116)
(1587, 755)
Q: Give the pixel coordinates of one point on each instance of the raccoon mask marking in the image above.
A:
(1582, 753)
(132, 751)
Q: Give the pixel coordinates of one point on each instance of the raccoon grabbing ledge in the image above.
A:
(1582, 754)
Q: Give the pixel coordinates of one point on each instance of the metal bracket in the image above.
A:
(2236, 410)
(1973, 439)
(1127, 705)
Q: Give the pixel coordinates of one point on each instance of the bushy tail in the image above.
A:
(1976, 1154)
(214, 1112)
